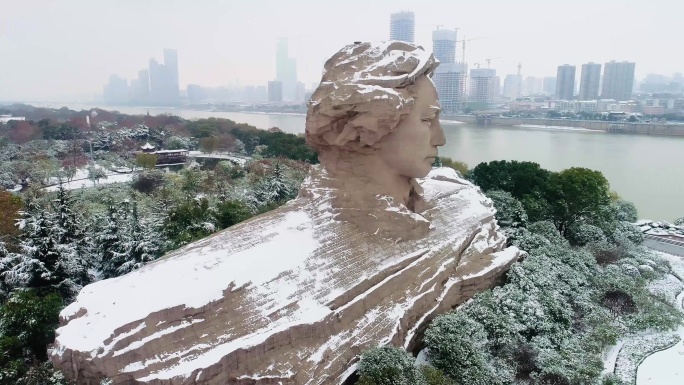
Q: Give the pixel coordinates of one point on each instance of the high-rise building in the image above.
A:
(286, 70)
(449, 79)
(618, 80)
(482, 86)
(402, 26)
(163, 78)
(590, 81)
(512, 87)
(116, 91)
(195, 93)
(140, 88)
(171, 64)
(565, 82)
(549, 85)
(275, 91)
(533, 86)
(444, 45)
(450, 76)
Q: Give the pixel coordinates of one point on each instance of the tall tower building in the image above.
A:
(618, 80)
(444, 45)
(533, 86)
(450, 76)
(565, 82)
(171, 64)
(483, 87)
(590, 81)
(513, 84)
(163, 78)
(286, 71)
(449, 80)
(549, 85)
(402, 26)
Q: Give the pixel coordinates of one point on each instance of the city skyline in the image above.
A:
(221, 42)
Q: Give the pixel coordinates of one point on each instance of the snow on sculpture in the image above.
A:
(376, 245)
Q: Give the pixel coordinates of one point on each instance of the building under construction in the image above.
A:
(450, 76)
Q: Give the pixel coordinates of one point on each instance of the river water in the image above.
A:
(646, 170)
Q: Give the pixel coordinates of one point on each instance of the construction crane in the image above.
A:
(489, 60)
(465, 78)
(464, 45)
(477, 64)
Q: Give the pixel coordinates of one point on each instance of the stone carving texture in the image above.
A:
(294, 296)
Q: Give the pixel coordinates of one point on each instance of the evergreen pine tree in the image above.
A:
(70, 237)
(275, 189)
(142, 243)
(108, 241)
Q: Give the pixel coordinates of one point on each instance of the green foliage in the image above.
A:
(231, 212)
(28, 323)
(577, 194)
(189, 221)
(625, 211)
(387, 365)
(518, 178)
(459, 166)
(146, 161)
(433, 376)
(509, 211)
(456, 346)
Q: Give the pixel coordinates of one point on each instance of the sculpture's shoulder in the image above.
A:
(444, 180)
(448, 194)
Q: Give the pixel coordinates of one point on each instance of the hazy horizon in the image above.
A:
(68, 49)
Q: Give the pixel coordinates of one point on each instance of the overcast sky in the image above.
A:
(50, 49)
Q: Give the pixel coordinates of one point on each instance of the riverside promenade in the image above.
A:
(663, 129)
(665, 244)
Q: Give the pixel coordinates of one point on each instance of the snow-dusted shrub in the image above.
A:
(628, 231)
(566, 363)
(457, 346)
(612, 379)
(387, 365)
(679, 221)
(509, 211)
(547, 230)
(527, 241)
(625, 211)
(583, 234)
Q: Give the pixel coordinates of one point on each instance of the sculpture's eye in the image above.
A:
(426, 120)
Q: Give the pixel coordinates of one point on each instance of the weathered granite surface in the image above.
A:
(289, 297)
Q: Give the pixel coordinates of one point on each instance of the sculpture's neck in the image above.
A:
(368, 175)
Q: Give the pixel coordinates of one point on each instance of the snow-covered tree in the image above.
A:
(142, 244)
(509, 211)
(679, 221)
(54, 257)
(625, 211)
(581, 234)
(457, 346)
(70, 237)
(109, 242)
(127, 241)
(387, 365)
(274, 189)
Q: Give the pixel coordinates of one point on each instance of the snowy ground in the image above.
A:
(665, 367)
(81, 180)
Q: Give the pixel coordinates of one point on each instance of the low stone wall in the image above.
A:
(599, 125)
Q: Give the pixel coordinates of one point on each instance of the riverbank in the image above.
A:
(662, 129)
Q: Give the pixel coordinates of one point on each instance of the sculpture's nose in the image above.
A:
(438, 138)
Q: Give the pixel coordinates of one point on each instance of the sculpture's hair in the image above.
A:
(364, 93)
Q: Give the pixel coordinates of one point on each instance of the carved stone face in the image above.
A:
(410, 149)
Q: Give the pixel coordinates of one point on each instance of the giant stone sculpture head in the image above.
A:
(374, 121)
(369, 92)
